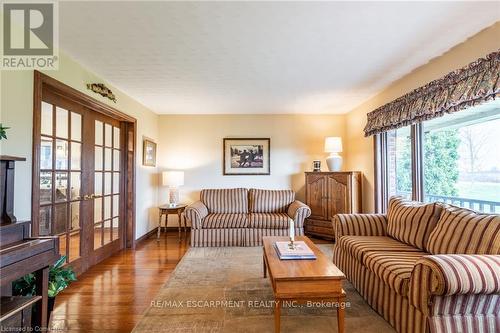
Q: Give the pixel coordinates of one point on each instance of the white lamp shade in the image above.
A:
(172, 178)
(333, 144)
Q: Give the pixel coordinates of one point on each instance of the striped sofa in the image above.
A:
(240, 217)
(424, 267)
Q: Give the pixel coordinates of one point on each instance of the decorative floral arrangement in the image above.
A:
(102, 90)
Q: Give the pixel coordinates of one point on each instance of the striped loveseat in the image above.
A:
(240, 217)
(424, 267)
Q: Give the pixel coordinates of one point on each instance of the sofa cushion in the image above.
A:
(231, 200)
(358, 246)
(270, 201)
(224, 221)
(269, 221)
(394, 268)
(463, 231)
(412, 222)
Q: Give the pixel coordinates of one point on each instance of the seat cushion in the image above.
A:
(394, 268)
(412, 222)
(225, 221)
(463, 231)
(357, 246)
(269, 221)
(270, 201)
(231, 200)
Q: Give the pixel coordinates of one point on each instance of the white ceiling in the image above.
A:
(262, 57)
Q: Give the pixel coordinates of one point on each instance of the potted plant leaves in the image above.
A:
(59, 279)
(3, 131)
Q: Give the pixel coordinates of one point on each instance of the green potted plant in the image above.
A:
(59, 279)
(3, 131)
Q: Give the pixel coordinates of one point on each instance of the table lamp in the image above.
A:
(333, 145)
(173, 179)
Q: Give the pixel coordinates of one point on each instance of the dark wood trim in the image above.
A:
(380, 172)
(35, 176)
(79, 97)
(417, 159)
(130, 190)
(146, 236)
(44, 83)
(245, 174)
(153, 232)
(377, 157)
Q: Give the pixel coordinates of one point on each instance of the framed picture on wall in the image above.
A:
(247, 156)
(148, 153)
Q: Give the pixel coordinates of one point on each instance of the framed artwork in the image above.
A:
(247, 156)
(148, 153)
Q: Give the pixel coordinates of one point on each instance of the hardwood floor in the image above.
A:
(111, 296)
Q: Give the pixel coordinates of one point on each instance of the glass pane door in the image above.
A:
(79, 181)
(107, 155)
(60, 177)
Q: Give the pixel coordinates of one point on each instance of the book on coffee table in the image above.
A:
(301, 251)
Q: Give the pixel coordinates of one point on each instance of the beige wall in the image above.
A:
(194, 143)
(360, 149)
(16, 111)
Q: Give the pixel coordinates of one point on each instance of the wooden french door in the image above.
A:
(80, 180)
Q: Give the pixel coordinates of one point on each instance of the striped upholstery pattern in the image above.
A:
(357, 246)
(269, 220)
(270, 201)
(463, 231)
(235, 236)
(394, 268)
(234, 200)
(458, 292)
(253, 237)
(412, 222)
(195, 213)
(469, 324)
(444, 293)
(360, 225)
(225, 221)
(222, 216)
(218, 237)
(299, 211)
(394, 307)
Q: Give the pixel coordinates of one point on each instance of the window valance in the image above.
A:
(471, 85)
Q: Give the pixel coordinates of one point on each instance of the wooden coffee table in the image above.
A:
(303, 280)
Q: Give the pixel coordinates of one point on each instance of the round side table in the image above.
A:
(167, 210)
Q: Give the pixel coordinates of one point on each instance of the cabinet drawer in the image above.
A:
(319, 230)
(318, 223)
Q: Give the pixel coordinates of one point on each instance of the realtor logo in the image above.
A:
(29, 35)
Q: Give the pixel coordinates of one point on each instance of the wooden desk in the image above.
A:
(166, 210)
(303, 280)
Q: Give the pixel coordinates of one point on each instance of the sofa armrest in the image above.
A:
(298, 211)
(359, 225)
(453, 274)
(195, 213)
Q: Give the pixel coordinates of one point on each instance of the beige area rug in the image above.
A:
(223, 290)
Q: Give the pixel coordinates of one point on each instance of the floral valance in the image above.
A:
(471, 85)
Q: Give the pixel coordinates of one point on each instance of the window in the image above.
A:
(459, 155)
(399, 162)
(462, 159)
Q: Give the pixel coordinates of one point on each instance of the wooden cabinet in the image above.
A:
(330, 193)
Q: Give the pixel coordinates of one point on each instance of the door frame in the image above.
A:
(43, 82)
